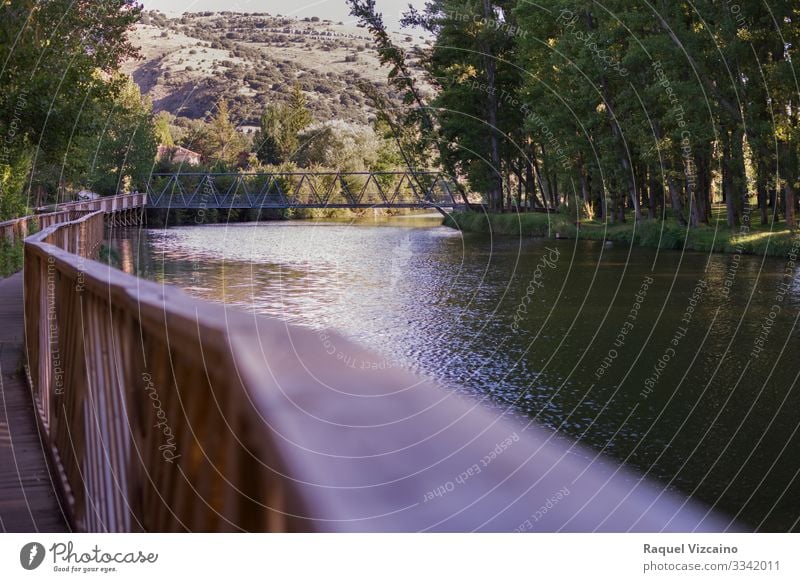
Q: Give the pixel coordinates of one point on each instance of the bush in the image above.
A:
(11, 255)
(658, 234)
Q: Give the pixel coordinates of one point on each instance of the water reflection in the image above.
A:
(680, 396)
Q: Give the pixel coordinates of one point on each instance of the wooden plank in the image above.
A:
(28, 499)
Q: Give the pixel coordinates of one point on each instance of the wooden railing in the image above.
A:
(108, 203)
(19, 228)
(166, 413)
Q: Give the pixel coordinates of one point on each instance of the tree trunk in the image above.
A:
(691, 197)
(703, 187)
(621, 211)
(739, 175)
(761, 193)
(496, 189)
(644, 188)
(656, 193)
(597, 193)
(553, 181)
(728, 194)
(788, 173)
(544, 180)
(674, 193)
(541, 181)
(675, 199)
(584, 187)
(532, 177)
(509, 197)
(530, 185)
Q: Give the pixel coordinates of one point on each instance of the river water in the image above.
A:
(682, 365)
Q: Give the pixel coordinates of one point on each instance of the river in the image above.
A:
(682, 365)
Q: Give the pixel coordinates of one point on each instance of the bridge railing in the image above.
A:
(166, 413)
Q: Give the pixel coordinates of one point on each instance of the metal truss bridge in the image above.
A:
(281, 190)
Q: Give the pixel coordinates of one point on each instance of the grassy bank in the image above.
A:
(664, 234)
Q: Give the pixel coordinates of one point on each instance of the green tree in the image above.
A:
(161, 128)
(277, 141)
(340, 145)
(221, 142)
(58, 56)
(471, 61)
(119, 155)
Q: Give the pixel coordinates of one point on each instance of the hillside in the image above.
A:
(191, 62)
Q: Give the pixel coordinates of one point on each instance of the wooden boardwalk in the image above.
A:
(28, 499)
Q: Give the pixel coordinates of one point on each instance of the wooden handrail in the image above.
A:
(167, 413)
(18, 228)
(107, 203)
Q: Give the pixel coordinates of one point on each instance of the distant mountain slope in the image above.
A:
(189, 63)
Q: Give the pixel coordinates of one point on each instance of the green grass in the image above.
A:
(653, 233)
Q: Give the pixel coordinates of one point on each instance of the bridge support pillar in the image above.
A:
(126, 217)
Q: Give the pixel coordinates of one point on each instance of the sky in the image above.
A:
(335, 10)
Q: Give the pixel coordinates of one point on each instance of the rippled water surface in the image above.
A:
(680, 364)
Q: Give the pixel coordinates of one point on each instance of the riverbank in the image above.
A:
(665, 234)
(162, 217)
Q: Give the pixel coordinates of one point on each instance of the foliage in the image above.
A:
(122, 148)
(340, 145)
(624, 111)
(64, 109)
(278, 140)
(219, 142)
(11, 256)
(162, 129)
(13, 175)
(413, 125)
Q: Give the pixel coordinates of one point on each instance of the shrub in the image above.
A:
(11, 255)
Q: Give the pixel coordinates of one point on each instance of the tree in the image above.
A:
(617, 107)
(220, 142)
(59, 56)
(299, 115)
(277, 141)
(471, 60)
(339, 145)
(413, 125)
(161, 129)
(127, 148)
